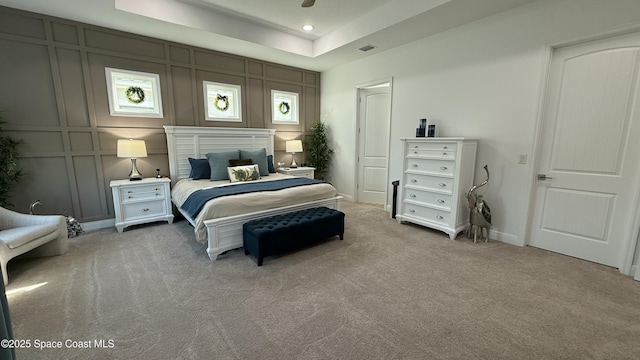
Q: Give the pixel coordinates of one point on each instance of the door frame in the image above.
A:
(630, 245)
(358, 87)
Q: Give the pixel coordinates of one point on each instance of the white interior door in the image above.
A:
(373, 143)
(589, 152)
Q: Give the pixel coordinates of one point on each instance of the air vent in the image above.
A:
(367, 48)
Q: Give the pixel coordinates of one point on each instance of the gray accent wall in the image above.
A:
(53, 97)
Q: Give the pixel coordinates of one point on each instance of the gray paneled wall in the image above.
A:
(53, 96)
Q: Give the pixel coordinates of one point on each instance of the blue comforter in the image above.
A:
(198, 198)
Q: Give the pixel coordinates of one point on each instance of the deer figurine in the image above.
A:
(479, 212)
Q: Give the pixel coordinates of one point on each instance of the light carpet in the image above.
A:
(387, 291)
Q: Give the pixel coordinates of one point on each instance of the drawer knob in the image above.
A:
(129, 192)
(412, 210)
(130, 197)
(415, 152)
(157, 189)
(415, 147)
(413, 195)
(414, 180)
(443, 168)
(157, 194)
(415, 165)
(145, 209)
(442, 185)
(441, 201)
(445, 148)
(444, 154)
(439, 217)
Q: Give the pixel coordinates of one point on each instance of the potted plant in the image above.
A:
(9, 172)
(317, 150)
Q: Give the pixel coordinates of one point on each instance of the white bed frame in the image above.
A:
(183, 142)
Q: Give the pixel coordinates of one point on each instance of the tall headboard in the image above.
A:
(184, 142)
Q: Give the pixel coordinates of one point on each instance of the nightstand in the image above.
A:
(304, 171)
(139, 202)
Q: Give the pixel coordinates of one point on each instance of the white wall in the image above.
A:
(482, 80)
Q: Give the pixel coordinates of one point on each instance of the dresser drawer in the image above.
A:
(433, 154)
(446, 167)
(443, 185)
(438, 216)
(143, 209)
(438, 146)
(430, 198)
(143, 192)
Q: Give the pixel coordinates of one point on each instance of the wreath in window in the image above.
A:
(284, 108)
(221, 103)
(134, 94)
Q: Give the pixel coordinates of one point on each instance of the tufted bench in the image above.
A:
(292, 231)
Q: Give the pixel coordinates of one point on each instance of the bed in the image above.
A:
(219, 223)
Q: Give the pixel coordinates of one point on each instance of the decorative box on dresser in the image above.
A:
(436, 174)
(140, 202)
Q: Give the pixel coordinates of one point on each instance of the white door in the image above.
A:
(589, 151)
(373, 143)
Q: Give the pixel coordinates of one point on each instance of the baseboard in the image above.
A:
(505, 238)
(100, 224)
(346, 197)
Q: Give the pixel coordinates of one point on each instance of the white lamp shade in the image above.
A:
(129, 148)
(294, 146)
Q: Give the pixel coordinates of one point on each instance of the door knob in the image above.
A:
(543, 177)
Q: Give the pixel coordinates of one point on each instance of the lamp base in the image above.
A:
(293, 161)
(134, 175)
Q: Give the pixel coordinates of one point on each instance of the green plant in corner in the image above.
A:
(317, 150)
(9, 172)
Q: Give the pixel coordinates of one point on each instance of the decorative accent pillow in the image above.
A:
(259, 157)
(243, 173)
(238, 162)
(199, 169)
(272, 169)
(218, 162)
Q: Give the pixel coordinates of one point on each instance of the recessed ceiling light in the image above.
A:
(308, 27)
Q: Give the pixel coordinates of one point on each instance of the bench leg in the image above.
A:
(341, 236)
(260, 261)
(246, 252)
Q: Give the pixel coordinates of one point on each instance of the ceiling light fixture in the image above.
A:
(308, 27)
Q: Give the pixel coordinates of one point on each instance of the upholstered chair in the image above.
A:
(39, 235)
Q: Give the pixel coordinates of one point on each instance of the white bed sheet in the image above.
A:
(245, 203)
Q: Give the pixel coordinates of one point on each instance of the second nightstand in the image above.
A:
(304, 171)
(139, 202)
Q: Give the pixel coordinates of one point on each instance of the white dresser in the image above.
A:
(436, 175)
(139, 202)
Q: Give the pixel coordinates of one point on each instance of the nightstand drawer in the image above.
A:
(140, 193)
(143, 209)
(304, 171)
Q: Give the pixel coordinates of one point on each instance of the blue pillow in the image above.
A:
(199, 169)
(218, 162)
(272, 169)
(259, 157)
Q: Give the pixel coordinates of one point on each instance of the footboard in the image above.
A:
(224, 234)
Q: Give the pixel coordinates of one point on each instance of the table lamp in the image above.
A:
(293, 146)
(133, 149)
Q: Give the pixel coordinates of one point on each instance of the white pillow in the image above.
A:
(243, 173)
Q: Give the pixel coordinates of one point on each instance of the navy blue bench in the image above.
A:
(288, 232)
